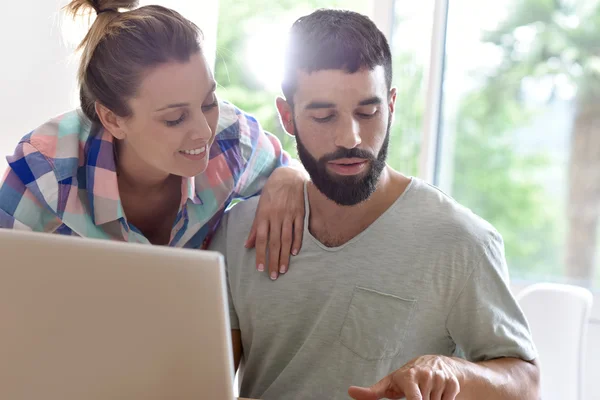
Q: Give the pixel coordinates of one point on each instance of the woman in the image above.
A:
(152, 156)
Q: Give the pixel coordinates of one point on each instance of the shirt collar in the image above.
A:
(188, 191)
(101, 178)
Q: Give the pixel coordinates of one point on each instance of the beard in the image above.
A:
(345, 190)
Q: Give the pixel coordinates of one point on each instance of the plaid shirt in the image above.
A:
(62, 179)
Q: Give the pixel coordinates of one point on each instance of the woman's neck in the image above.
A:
(137, 176)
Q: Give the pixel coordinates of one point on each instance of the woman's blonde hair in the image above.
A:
(121, 44)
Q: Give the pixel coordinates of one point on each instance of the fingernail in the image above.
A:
(261, 267)
(282, 269)
(295, 252)
(273, 275)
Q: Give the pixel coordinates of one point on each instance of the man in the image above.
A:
(393, 275)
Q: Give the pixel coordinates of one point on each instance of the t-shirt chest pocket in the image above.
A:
(376, 324)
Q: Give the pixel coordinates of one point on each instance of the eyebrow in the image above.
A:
(177, 105)
(371, 101)
(315, 105)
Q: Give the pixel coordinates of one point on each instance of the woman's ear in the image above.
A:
(110, 121)
(286, 115)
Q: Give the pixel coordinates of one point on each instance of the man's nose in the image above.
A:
(348, 134)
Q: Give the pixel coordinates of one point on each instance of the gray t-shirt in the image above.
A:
(427, 277)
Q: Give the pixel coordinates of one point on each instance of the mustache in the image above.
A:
(347, 153)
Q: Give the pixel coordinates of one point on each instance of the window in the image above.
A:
(410, 43)
(519, 140)
(512, 136)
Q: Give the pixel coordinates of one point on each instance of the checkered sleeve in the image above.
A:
(28, 192)
(261, 154)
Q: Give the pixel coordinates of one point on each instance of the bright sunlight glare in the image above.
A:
(264, 54)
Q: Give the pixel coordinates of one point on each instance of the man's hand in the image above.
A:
(424, 378)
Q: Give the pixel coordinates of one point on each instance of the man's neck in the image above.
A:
(334, 225)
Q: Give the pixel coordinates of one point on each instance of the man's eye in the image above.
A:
(324, 119)
(368, 115)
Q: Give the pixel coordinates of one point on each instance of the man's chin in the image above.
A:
(349, 202)
(348, 199)
(344, 192)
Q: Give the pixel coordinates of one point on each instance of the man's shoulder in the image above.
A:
(240, 217)
(233, 230)
(436, 214)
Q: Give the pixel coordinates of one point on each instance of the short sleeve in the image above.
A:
(219, 243)
(486, 322)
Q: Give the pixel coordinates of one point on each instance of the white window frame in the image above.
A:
(431, 135)
(383, 15)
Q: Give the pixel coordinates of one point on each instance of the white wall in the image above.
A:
(36, 80)
(204, 13)
(37, 72)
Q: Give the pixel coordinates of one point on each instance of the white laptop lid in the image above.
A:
(88, 319)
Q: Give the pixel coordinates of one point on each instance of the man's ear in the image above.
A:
(110, 121)
(286, 115)
(392, 101)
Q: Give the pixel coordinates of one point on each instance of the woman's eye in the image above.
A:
(210, 106)
(176, 122)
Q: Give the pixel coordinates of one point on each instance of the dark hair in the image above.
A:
(120, 47)
(334, 39)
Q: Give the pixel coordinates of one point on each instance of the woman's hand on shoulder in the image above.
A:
(279, 222)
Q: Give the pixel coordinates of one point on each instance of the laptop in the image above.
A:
(86, 319)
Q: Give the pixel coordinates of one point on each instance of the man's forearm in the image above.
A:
(502, 379)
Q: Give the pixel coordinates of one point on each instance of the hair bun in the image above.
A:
(99, 6)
